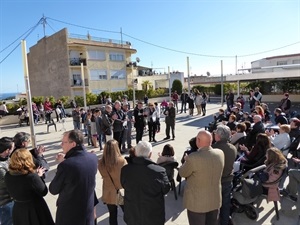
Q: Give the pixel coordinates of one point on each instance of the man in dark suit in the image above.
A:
(74, 182)
(145, 185)
(170, 114)
(184, 98)
(257, 128)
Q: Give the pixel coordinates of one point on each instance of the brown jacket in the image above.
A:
(109, 193)
(203, 171)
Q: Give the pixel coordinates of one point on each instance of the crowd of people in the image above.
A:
(233, 134)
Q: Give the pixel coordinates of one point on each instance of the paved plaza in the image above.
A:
(186, 128)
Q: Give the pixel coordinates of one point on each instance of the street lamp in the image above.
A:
(134, 81)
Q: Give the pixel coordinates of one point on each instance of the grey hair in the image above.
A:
(224, 132)
(257, 117)
(143, 149)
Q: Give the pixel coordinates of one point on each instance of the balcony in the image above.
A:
(77, 61)
(78, 82)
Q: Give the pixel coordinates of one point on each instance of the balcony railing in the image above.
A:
(79, 83)
(77, 61)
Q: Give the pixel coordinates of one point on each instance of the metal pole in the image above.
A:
(83, 84)
(133, 86)
(188, 73)
(222, 85)
(169, 76)
(28, 93)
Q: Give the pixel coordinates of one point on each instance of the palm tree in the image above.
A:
(146, 84)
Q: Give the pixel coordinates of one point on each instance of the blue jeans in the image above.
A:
(225, 208)
(76, 125)
(6, 214)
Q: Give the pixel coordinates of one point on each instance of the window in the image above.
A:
(117, 74)
(296, 61)
(98, 75)
(96, 55)
(116, 56)
(279, 63)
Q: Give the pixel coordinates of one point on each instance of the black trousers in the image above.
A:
(168, 127)
(139, 134)
(209, 218)
(118, 136)
(152, 130)
(113, 213)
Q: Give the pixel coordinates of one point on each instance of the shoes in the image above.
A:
(154, 140)
(230, 222)
(173, 138)
(150, 140)
(166, 138)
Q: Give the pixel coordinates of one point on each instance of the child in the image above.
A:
(167, 154)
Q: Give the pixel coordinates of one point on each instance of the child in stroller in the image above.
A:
(263, 179)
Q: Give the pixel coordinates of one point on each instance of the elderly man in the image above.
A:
(119, 118)
(222, 136)
(257, 128)
(145, 185)
(74, 182)
(202, 195)
(170, 114)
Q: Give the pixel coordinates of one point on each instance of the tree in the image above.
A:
(177, 86)
(146, 84)
(208, 73)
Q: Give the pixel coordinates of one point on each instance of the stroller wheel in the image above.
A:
(236, 206)
(251, 212)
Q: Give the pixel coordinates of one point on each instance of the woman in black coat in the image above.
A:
(27, 188)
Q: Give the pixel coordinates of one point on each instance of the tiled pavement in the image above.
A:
(186, 128)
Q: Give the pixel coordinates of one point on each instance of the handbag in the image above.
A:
(120, 192)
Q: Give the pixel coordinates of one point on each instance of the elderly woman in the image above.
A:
(282, 140)
(27, 188)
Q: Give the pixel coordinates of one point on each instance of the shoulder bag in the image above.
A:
(120, 195)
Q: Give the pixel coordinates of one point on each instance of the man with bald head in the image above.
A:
(257, 128)
(203, 171)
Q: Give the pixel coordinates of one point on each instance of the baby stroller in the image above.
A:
(245, 192)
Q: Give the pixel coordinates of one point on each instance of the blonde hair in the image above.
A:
(110, 156)
(21, 162)
(286, 128)
(275, 157)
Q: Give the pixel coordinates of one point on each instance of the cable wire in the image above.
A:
(32, 29)
(178, 51)
(90, 28)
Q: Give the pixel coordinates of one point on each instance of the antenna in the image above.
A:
(44, 25)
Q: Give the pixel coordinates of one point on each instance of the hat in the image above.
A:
(233, 108)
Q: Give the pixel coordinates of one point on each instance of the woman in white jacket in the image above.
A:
(152, 118)
(282, 140)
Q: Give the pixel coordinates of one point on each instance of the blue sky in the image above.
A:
(164, 32)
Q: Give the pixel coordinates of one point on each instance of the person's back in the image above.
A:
(145, 185)
(202, 194)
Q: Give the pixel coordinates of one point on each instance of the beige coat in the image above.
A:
(109, 193)
(203, 171)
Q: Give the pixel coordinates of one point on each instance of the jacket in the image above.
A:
(75, 183)
(230, 153)
(145, 185)
(200, 169)
(109, 188)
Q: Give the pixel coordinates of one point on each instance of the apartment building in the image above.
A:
(54, 65)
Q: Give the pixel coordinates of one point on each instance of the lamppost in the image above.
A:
(133, 65)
